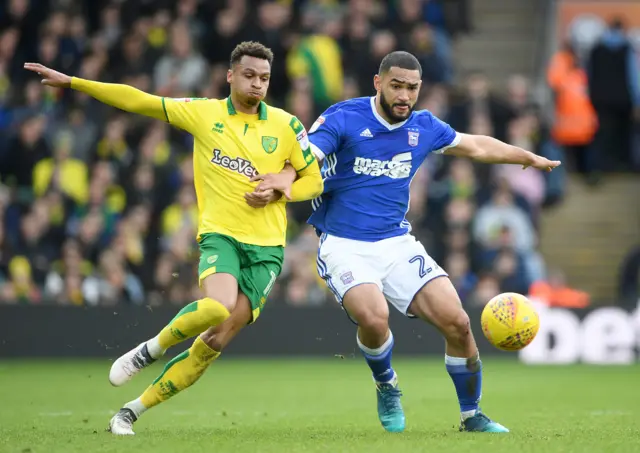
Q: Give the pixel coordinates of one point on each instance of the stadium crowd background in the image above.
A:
(97, 206)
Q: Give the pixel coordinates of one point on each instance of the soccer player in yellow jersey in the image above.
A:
(246, 155)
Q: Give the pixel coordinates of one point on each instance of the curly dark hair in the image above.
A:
(251, 49)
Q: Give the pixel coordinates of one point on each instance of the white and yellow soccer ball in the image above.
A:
(510, 322)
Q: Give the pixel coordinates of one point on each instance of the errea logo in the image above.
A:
(396, 168)
(239, 165)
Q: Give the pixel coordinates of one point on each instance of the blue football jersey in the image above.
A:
(368, 167)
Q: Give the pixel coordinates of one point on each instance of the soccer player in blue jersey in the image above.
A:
(371, 148)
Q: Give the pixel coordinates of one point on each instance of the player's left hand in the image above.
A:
(274, 181)
(259, 199)
(542, 163)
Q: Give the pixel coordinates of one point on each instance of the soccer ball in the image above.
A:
(510, 322)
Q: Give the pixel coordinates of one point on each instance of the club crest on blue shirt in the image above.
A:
(413, 138)
(346, 278)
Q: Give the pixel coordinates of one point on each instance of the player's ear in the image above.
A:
(229, 75)
(377, 82)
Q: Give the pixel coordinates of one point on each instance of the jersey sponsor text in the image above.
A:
(398, 167)
(239, 165)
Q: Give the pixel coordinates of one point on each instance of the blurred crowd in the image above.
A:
(595, 80)
(97, 206)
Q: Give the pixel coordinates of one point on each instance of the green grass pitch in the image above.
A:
(327, 405)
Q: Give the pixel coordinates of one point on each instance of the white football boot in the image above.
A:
(121, 424)
(130, 364)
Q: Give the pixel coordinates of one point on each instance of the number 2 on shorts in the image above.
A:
(421, 269)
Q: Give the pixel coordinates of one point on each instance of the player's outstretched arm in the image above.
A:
(120, 96)
(492, 151)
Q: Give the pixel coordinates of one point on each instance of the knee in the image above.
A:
(215, 312)
(228, 302)
(458, 328)
(375, 323)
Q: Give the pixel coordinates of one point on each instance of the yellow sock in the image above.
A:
(181, 372)
(192, 320)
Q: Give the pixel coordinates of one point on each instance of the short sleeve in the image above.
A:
(325, 134)
(445, 136)
(301, 155)
(183, 113)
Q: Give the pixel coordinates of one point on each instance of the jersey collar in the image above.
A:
(381, 120)
(262, 109)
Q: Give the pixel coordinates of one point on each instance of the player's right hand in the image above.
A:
(260, 199)
(542, 163)
(274, 181)
(49, 76)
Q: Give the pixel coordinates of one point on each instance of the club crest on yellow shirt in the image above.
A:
(269, 144)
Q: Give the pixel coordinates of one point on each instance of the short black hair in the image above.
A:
(251, 49)
(400, 59)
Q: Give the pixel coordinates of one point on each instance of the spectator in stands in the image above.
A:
(614, 87)
(183, 214)
(502, 224)
(303, 287)
(23, 152)
(436, 100)
(181, 71)
(464, 280)
(487, 288)
(186, 11)
(555, 292)
(112, 283)
(130, 242)
(528, 183)
(300, 101)
(511, 272)
(435, 67)
(518, 93)
(224, 34)
(36, 243)
(575, 121)
(502, 212)
(318, 57)
(82, 131)
(20, 286)
(141, 188)
(63, 284)
(36, 102)
(381, 43)
(62, 173)
(481, 104)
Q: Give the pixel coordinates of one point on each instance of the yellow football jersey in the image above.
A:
(229, 148)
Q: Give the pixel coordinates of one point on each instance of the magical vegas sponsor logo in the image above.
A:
(237, 164)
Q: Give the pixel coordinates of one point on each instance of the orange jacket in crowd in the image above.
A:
(558, 296)
(575, 118)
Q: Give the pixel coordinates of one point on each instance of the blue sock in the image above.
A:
(379, 359)
(466, 375)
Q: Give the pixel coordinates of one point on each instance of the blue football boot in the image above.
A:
(482, 424)
(390, 410)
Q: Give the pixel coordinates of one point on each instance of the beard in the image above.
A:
(251, 101)
(388, 109)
